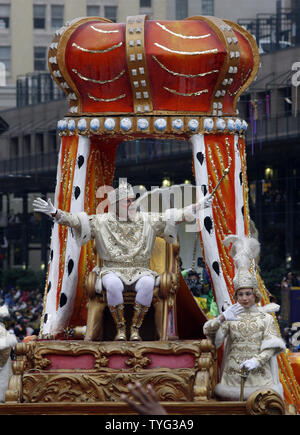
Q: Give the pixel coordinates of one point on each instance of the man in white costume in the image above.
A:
(124, 241)
(251, 337)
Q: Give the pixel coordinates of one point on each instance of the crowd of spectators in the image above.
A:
(25, 308)
(199, 284)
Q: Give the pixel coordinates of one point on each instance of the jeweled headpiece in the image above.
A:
(124, 191)
(244, 251)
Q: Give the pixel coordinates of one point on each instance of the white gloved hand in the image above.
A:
(204, 203)
(233, 311)
(249, 364)
(208, 199)
(41, 206)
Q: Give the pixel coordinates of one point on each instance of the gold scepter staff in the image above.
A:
(244, 375)
(225, 172)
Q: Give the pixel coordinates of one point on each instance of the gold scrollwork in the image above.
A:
(265, 402)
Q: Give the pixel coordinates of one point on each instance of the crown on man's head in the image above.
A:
(123, 191)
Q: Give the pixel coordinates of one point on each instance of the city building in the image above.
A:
(28, 148)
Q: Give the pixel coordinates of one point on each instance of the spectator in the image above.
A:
(289, 280)
(146, 400)
(25, 309)
(194, 283)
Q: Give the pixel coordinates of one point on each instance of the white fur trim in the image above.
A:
(170, 232)
(270, 308)
(5, 373)
(189, 214)
(4, 311)
(210, 246)
(273, 343)
(98, 285)
(233, 393)
(9, 341)
(84, 235)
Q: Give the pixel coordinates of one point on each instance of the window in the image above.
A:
(52, 142)
(57, 16)
(145, 3)
(14, 147)
(208, 7)
(40, 55)
(181, 9)
(39, 16)
(27, 144)
(4, 16)
(110, 12)
(93, 11)
(39, 143)
(5, 57)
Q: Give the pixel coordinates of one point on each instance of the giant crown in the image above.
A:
(170, 73)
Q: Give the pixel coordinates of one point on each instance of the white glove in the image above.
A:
(204, 203)
(249, 364)
(233, 311)
(208, 199)
(41, 206)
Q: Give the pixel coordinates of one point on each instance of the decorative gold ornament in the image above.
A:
(265, 402)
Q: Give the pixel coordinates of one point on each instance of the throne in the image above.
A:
(162, 314)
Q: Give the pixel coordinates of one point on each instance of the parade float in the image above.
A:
(127, 81)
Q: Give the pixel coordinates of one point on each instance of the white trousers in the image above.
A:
(114, 289)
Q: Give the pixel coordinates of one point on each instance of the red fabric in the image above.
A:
(71, 362)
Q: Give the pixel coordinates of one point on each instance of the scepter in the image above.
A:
(225, 172)
(244, 375)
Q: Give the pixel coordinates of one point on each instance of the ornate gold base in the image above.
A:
(263, 402)
(80, 377)
(92, 372)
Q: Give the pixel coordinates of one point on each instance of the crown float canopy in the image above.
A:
(153, 76)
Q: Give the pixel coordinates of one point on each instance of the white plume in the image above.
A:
(243, 251)
(4, 312)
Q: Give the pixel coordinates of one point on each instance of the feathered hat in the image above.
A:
(243, 251)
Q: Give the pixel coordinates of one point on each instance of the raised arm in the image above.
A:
(63, 218)
(188, 213)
